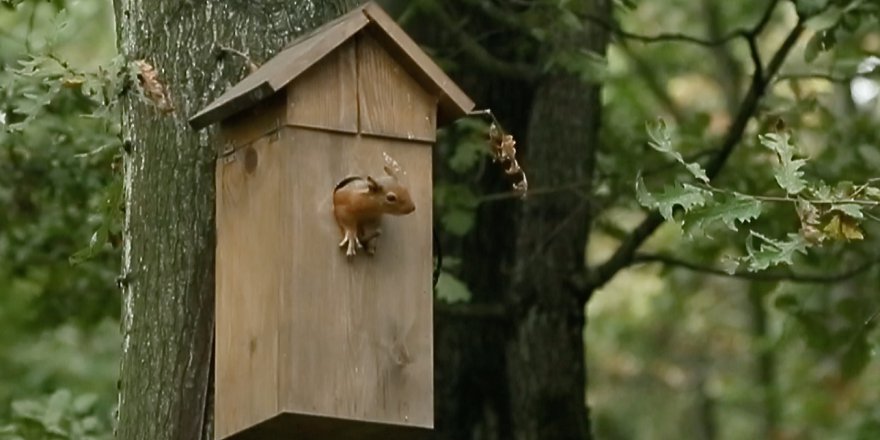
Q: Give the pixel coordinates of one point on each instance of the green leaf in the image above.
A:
(458, 221)
(467, 155)
(787, 172)
(661, 141)
(827, 19)
(818, 335)
(786, 302)
(771, 252)
(457, 207)
(813, 47)
(58, 405)
(856, 357)
(588, 66)
(806, 8)
(84, 403)
(850, 209)
(683, 195)
(738, 209)
(452, 290)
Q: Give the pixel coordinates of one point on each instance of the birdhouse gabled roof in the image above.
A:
(307, 50)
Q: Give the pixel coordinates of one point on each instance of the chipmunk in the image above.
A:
(359, 203)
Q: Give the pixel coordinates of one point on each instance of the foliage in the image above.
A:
(59, 416)
(792, 208)
(830, 215)
(58, 149)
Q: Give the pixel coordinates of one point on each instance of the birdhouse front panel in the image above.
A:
(360, 88)
(356, 341)
(390, 101)
(301, 328)
(325, 96)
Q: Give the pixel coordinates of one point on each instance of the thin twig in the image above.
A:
(794, 277)
(472, 310)
(779, 199)
(495, 197)
(684, 38)
(251, 65)
(486, 112)
(478, 54)
(627, 249)
(815, 75)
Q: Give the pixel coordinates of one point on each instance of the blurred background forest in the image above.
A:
(676, 346)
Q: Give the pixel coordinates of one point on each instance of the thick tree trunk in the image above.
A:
(168, 262)
(530, 260)
(545, 354)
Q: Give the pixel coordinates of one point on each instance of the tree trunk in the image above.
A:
(522, 376)
(766, 361)
(168, 256)
(545, 354)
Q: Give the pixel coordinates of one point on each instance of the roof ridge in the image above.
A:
(308, 49)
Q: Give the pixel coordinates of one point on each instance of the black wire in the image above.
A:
(439, 251)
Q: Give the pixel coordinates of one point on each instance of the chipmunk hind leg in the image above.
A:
(368, 234)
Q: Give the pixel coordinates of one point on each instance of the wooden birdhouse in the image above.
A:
(312, 343)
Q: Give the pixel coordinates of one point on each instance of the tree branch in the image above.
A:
(626, 252)
(478, 54)
(816, 75)
(794, 277)
(473, 310)
(684, 38)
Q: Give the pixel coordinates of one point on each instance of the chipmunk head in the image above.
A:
(395, 197)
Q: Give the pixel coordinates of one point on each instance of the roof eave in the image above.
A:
(453, 102)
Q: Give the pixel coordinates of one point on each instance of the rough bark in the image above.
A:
(545, 354)
(528, 257)
(470, 361)
(168, 257)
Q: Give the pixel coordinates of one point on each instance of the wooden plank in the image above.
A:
(250, 262)
(356, 338)
(252, 124)
(454, 103)
(279, 70)
(325, 95)
(305, 51)
(390, 101)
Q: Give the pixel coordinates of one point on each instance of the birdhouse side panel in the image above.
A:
(325, 96)
(250, 262)
(391, 102)
(261, 120)
(356, 333)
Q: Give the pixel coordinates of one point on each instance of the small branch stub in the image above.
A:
(360, 201)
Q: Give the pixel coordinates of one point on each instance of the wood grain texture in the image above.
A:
(325, 96)
(306, 51)
(454, 103)
(248, 126)
(278, 71)
(303, 330)
(248, 286)
(391, 102)
(356, 340)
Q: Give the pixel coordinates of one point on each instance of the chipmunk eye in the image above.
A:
(391, 197)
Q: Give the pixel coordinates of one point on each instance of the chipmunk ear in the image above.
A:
(373, 185)
(392, 168)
